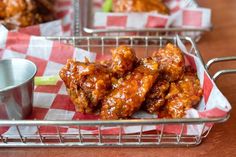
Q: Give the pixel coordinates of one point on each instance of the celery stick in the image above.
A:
(107, 6)
(46, 80)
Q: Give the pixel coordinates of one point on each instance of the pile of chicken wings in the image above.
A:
(119, 87)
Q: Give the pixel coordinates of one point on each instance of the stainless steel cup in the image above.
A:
(16, 88)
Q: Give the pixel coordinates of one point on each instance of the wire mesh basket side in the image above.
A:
(100, 137)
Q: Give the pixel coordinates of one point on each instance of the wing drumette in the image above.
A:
(171, 62)
(124, 100)
(123, 60)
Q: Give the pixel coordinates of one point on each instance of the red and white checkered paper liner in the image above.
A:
(60, 27)
(53, 103)
(183, 15)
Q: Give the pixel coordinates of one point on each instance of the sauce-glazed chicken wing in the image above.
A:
(171, 62)
(87, 84)
(156, 96)
(183, 94)
(127, 98)
(123, 60)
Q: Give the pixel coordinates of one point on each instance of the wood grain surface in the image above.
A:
(221, 140)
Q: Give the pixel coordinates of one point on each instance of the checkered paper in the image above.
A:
(53, 103)
(60, 27)
(183, 15)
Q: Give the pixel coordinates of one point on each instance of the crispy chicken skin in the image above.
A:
(87, 84)
(22, 13)
(127, 98)
(156, 96)
(183, 94)
(171, 62)
(123, 60)
(140, 6)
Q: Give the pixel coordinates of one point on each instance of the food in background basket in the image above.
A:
(22, 13)
(139, 6)
(119, 87)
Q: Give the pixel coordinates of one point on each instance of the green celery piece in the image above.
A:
(107, 6)
(46, 80)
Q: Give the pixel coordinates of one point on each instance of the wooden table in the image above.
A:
(221, 140)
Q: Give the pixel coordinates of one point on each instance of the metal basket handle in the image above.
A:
(221, 72)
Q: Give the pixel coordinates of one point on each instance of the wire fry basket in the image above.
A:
(119, 138)
(84, 19)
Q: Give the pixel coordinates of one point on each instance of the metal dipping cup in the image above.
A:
(16, 88)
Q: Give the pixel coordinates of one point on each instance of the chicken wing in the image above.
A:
(171, 62)
(156, 96)
(127, 98)
(183, 94)
(87, 84)
(140, 6)
(123, 60)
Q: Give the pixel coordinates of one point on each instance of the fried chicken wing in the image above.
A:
(140, 6)
(87, 84)
(183, 94)
(123, 60)
(171, 62)
(127, 98)
(156, 96)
